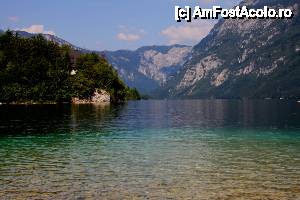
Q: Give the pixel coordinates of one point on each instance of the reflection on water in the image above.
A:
(192, 149)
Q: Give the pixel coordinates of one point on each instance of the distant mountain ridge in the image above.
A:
(239, 58)
(242, 58)
(149, 68)
(52, 38)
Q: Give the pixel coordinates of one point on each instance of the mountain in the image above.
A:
(52, 38)
(239, 58)
(149, 68)
(245, 58)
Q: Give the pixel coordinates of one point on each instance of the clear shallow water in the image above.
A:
(151, 150)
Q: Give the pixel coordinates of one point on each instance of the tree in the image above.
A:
(34, 69)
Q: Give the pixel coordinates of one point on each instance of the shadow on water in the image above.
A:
(42, 119)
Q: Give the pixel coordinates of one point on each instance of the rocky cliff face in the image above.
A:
(149, 68)
(254, 58)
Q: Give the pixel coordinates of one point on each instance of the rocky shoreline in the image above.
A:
(99, 97)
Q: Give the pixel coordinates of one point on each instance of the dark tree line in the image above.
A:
(37, 70)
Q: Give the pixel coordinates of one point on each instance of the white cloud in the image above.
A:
(188, 33)
(13, 18)
(37, 29)
(128, 37)
(130, 34)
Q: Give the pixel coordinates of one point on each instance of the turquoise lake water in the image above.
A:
(183, 149)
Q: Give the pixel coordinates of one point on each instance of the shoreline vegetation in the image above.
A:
(37, 71)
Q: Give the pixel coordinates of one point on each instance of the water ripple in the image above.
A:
(151, 150)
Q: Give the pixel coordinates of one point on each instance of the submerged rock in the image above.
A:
(100, 96)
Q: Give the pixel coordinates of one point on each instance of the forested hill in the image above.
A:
(37, 70)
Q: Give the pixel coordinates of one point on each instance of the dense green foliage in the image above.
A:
(37, 70)
(133, 94)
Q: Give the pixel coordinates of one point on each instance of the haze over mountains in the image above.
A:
(255, 58)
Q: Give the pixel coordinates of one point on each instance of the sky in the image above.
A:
(108, 24)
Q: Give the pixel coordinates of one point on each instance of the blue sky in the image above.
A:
(108, 24)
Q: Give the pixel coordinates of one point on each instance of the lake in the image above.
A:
(157, 149)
